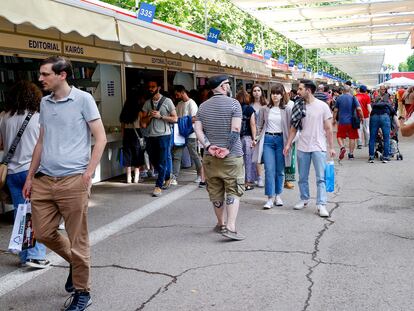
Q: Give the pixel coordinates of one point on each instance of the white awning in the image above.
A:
(45, 14)
(135, 32)
(363, 66)
(336, 24)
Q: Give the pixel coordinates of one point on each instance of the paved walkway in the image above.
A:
(161, 254)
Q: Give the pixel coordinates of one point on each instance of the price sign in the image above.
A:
(267, 54)
(300, 66)
(146, 12)
(320, 73)
(213, 35)
(249, 48)
(291, 63)
(281, 59)
(309, 69)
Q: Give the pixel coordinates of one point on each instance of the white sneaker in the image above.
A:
(174, 182)
(129, 179)
(260, 182)
(198, 179)
(268, 204)
(322, 210)
(278, 201)
(136, 179)
(301, 204)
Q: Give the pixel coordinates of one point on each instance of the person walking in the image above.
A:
(24, 99)
(131, 135)
(273, 130)
(365, 103)
(380, 118)
(259, 101)
(345, 107)
(248, 137)
(158, 115)
(313, 118)
(60, 174)
(186, 108)
(218, 129)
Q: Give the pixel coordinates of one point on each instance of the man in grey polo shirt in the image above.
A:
(60, 174)
(158, 115)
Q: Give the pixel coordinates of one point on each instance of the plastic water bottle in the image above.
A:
(330, 176)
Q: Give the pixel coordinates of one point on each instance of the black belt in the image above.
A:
(273, 134)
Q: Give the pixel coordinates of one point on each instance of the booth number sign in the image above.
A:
(146, 12)
(213, 35)
(249, 48)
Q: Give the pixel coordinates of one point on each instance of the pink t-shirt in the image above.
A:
(312, 136)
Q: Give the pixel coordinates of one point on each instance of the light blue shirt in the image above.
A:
(67, 137)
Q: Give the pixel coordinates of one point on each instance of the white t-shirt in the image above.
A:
(22, 157)
(274, 121)
(188, 108)
(312, 136)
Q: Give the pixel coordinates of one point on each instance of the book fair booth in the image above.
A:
(113, 53)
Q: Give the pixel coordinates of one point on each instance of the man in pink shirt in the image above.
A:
(365, 103)
(315, 140)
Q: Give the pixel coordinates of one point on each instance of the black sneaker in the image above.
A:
(385, 160)
(371, 160)
(350, 156)
(69, 283)
(202, 184)
(79, 301)
(38, 263)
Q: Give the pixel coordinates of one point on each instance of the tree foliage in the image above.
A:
(236, 26)
(408, 65)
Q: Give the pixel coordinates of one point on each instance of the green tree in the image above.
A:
(403, 67)
(410, 63)
(237, 27)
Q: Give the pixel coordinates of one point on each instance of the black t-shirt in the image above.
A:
(247, 111)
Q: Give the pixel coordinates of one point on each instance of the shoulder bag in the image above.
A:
(9, 155)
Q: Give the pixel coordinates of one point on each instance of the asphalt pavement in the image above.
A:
(162, 254)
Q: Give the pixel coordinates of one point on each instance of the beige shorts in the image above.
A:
(224, 177)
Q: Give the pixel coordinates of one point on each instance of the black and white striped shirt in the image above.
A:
(215, 115)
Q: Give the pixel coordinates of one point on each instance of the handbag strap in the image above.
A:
(16, 141)
(136, 133)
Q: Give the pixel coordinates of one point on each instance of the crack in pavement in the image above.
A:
(390, 195)
(174, 280)
(339, 264)
(269, 251)
(162, 289)
(401, 236)
(314, 254)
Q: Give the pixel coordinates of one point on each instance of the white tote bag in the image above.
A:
(179, 140)
(22, 235)
(16, 239)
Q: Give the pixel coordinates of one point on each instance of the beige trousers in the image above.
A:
(67, 197)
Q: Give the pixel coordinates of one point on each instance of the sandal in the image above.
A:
(220, 228)
(248, 187)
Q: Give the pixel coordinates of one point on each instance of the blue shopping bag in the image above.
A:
(120, 156)
(330, 176)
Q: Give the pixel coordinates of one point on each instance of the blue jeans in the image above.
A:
(159, 151)
(15, 182)
(318, 159)
(376, 122)
(274, 164)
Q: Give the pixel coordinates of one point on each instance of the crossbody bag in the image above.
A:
(12, 150)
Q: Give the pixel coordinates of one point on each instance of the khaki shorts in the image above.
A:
(224, 177)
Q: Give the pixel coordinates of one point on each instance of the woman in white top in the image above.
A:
(24, 97)
(273, 129)
(258, 102)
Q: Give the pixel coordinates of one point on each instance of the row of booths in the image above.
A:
(113, 53)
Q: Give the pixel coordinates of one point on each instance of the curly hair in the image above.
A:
(24, 96)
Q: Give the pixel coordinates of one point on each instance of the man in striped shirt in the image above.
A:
(218, 129)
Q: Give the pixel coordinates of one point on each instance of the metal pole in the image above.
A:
(205, 18)
(136, 5)
(306, 59)
(287, 49)
(317, 60)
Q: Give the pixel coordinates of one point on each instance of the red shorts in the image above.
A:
(346, 130)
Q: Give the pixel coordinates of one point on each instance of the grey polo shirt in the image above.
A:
(67, 137)
(159, 127)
